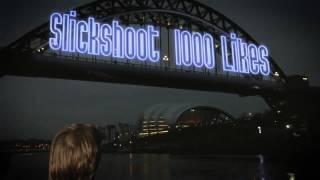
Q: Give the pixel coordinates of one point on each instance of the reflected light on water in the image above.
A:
(161, 167)
(291, 176)
(130, 165)
(261, 167)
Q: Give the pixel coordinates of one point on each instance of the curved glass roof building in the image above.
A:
(160, 118)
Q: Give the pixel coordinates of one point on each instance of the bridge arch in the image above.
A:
(167, 14)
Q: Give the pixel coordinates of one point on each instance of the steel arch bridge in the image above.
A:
(31, 56)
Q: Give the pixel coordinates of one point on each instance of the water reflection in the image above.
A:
(130, 164)
(162, 167)
(200, 167)
(291, 176)
(261, 167)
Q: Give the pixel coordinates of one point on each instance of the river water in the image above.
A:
(161, 167)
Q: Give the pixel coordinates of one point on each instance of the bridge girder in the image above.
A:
(187, 11)
(164, 13)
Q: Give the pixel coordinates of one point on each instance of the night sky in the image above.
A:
(38, 107)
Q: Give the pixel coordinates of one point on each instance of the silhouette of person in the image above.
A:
(75, 153)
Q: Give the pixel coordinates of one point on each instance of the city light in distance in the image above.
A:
(288, 126)
(259, 130)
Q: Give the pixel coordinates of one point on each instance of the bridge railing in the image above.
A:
(161, 66)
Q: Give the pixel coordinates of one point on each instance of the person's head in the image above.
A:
(74, 153)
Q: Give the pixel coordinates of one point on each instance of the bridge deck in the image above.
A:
(38, 65)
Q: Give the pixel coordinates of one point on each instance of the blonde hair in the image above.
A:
(74, 153)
